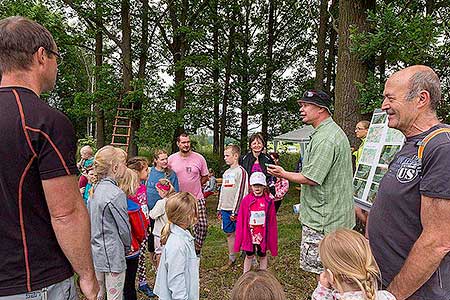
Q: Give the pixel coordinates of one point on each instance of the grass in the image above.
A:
(215, 285)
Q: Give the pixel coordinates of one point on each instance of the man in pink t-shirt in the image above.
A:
(192, 172)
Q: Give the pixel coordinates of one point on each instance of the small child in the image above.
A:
(110, 228)
(234, 188)
(256, 227)
(86, 162)
(351, 271)
(211, 185)
(259, 285)
(178, 272)
(129, 183)
(158, 213)
(139, 164)
(88, 187)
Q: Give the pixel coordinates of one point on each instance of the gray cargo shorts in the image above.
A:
(63, 290)
(309, 250)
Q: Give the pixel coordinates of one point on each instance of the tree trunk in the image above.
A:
(178, 52)
(226, 89)
(321, 45)
(127, 74)
(269, 69)
(245, 93)
(143, 57)
(216, 75)
(350, 68)
(99, 113)
(330, 74)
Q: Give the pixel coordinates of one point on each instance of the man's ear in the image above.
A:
(424, 99)
(41, 55)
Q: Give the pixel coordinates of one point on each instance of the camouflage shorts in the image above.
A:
(309, 250)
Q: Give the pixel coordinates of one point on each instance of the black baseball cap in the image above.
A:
(317, 97)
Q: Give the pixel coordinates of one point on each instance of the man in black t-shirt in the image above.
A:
(44, 225)
(408, 223)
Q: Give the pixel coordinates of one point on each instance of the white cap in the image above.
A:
(258, 178)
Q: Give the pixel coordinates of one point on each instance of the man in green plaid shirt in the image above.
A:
(326, 178)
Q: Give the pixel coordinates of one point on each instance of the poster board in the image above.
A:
(382, 143)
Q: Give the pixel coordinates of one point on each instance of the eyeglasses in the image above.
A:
(59, 57)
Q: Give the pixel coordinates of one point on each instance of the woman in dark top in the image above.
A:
(255, 160)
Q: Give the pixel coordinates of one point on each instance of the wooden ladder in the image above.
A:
(122, 127)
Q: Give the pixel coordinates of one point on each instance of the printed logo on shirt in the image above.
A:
(409, 168)
(188, 170)
(229, 180)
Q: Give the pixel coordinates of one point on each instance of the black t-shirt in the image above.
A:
(394, 220)
(38, 143)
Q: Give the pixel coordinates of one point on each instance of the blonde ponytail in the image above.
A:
(346, 253)
(165, 232)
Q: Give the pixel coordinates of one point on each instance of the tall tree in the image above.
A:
(269, 67)
(350, 68)
(99, 112)
(321, 45)
(228, 64)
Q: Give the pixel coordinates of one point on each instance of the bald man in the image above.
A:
(409, 221)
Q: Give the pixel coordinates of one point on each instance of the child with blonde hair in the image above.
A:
(351, 271)
(178, 272)
(129, 183)
(110, 228)
(139, 164)
(258, 285)
(158, 213)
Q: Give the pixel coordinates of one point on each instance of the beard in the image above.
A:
(185, 150)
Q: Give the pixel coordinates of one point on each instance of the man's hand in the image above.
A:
(219, 215)
(276, 171)
(233, 218)
(89, 287)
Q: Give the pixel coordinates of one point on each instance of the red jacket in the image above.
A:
(243, 236)
(139, 225)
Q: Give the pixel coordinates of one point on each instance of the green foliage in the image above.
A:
(399, 36)
(370, 94)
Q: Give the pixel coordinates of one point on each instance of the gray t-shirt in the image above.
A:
(394, 220)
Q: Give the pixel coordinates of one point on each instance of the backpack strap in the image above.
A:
(425, 141)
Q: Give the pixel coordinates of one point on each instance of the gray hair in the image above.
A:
(425, 80)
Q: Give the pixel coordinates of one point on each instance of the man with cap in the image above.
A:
(326, 179)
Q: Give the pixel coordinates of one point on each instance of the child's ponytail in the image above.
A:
(346, 253)
(165, 232)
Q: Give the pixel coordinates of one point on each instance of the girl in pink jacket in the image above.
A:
(256, 226)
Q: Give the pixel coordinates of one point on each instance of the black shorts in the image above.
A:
(257, 249)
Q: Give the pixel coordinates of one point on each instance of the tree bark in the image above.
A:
(227, 91)
(216, 75)
(350, 68)
(127, 74)
(179, 48)
(143, 58)
(321, 45)
(330, 74)
(99, 113)
(245, 92)
(269, 69)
